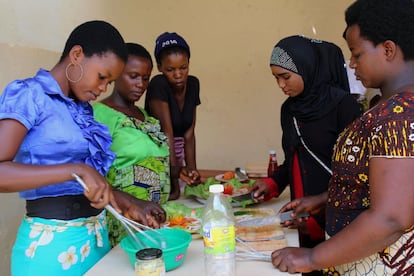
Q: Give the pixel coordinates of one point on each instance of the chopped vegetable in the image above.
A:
(228, 189)
(183, 217)
(237, 188)
(228, 175)
(178, 220)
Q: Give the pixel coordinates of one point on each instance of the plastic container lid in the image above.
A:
(216, 188)
(272, 152)
(148, 254)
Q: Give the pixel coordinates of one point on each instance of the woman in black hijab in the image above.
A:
(322, 68)
(312, 74)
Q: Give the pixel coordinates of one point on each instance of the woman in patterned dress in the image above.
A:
(142, 165)
(370, 197)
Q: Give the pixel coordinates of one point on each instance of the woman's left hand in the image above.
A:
(292, 260)
(145, 212)
(155, 213)
(190, 176)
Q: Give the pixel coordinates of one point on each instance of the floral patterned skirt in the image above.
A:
(397, 259)
(59, 247)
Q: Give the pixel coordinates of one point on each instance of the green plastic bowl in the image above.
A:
(174, 255)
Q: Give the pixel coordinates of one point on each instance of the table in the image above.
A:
(116, 261)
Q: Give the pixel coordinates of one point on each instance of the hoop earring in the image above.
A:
(67, 74)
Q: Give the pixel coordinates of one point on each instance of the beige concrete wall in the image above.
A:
(231, 42)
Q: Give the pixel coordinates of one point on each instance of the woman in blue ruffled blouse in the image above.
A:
(48, 133)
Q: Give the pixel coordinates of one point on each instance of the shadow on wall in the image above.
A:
(12, 212)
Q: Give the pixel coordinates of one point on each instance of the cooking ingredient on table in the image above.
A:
(183, 221)
(263, 235)
(232, 189)
(272, 167)
(149, 262)
(238, 173)
(218, 234)
(183, 217)
(228, 175)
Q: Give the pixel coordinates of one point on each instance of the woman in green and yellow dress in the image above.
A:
(142, 166)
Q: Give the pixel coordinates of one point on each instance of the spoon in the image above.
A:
(241, 174)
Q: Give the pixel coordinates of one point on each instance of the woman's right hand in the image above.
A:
(99, 191)
(259, 190)
(310, 204)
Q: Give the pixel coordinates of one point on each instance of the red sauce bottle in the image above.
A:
(272, 163)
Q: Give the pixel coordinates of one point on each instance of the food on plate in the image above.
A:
(183, 217)
(228, 189)
(228, 175)
(232, 188)
(190, 224)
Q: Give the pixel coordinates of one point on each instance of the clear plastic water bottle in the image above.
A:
(218, 234)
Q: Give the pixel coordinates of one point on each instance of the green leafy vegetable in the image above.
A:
(202, 190)
(175, 209)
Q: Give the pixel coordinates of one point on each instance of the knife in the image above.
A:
(285, 216)
(273, 219)
(243, 197)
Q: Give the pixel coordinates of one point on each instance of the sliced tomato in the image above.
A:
(228, 189)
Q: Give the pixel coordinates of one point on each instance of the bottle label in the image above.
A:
(154, 267)
(219, 240)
